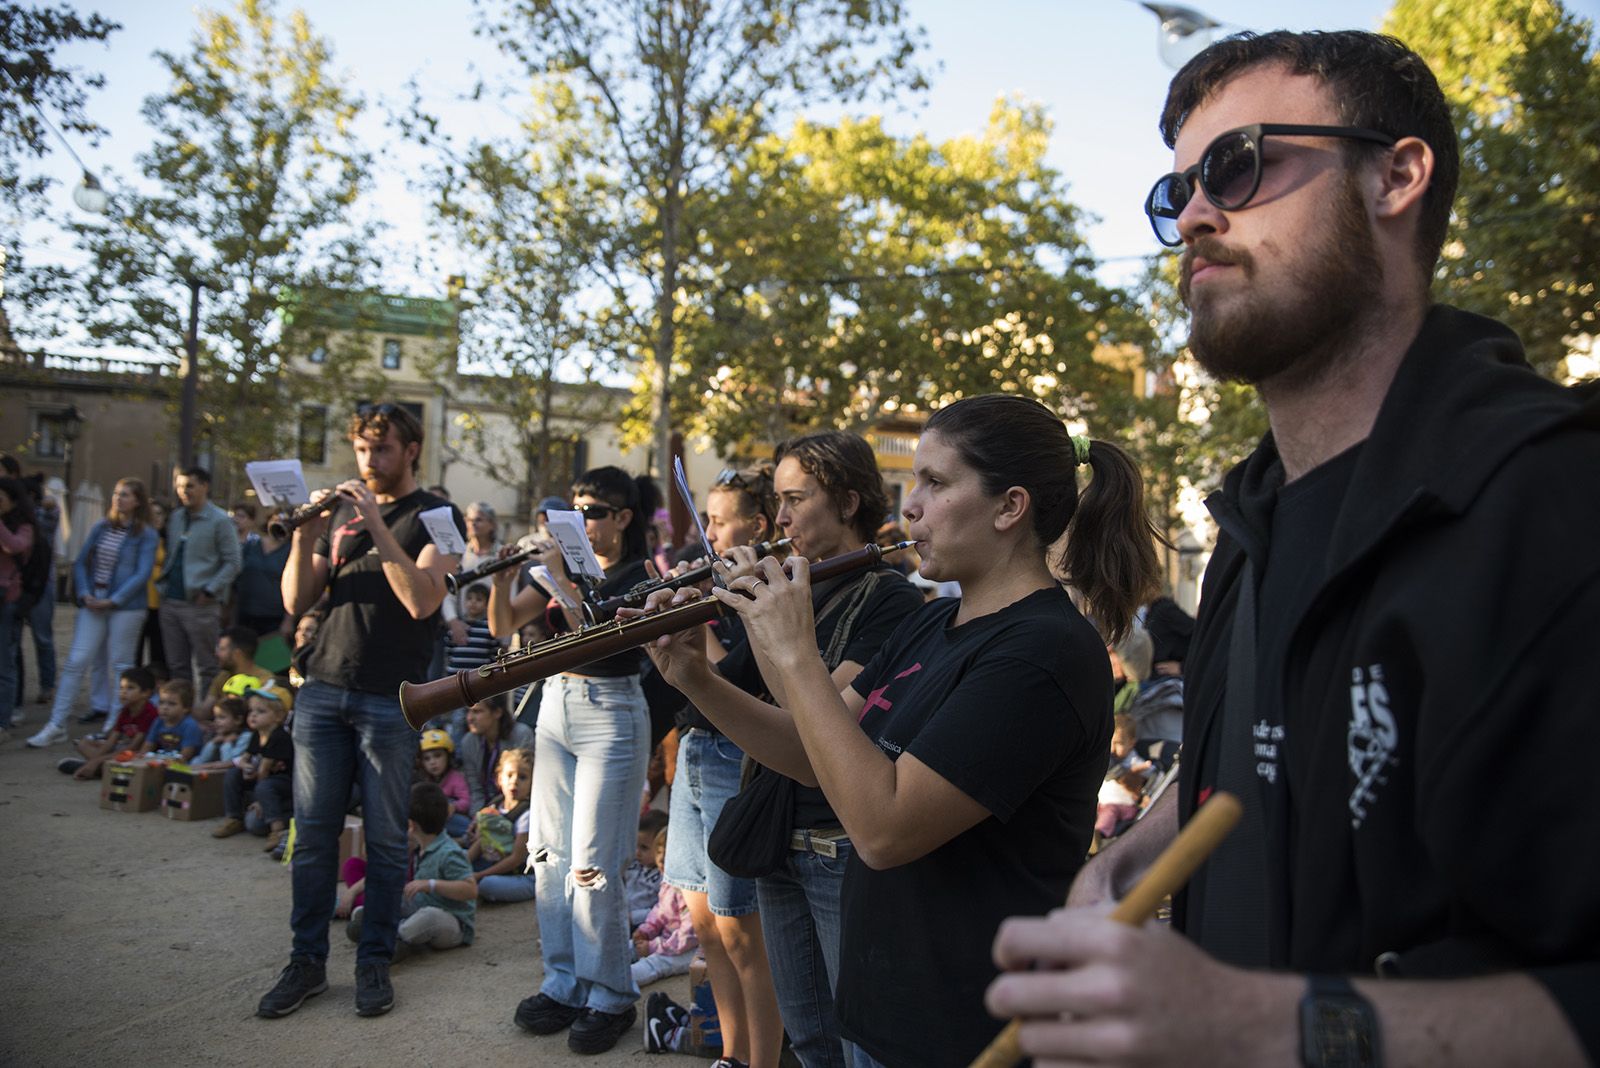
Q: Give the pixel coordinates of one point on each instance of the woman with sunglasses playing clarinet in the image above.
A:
(964, 759)
(591, 746)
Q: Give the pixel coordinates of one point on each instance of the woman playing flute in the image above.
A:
(964, 759)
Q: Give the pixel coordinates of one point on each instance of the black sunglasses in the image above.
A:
(1229, 172)
(596, 511)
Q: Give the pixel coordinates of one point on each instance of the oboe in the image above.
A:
(636, 597)
(462, 579)
(281, 526)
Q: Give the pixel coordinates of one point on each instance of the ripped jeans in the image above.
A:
(591, 747)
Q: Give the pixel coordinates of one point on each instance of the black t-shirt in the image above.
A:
(1229, 897)
(1014, 709)
(279, 746)
(620, 578)
(369, 642)
(887, 603)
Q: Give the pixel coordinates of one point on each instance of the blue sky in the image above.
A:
(1092, 63)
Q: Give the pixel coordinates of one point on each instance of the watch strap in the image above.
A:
(1338, 1027)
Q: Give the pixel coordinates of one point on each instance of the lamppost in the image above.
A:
(191, 375)
(71, 427)
(1184, 32)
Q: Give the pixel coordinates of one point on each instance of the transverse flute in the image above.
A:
(420, 702)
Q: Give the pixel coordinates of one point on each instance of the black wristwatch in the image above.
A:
(1338, 1028)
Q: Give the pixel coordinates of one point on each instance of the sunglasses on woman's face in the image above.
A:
(595, 511)
(1229, 172)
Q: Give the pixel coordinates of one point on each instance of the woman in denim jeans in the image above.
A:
(109, 578)
(590, 751)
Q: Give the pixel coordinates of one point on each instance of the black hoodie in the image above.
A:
(1439, 687)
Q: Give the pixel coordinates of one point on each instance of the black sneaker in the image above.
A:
(544, 1015)
(352, 930)
(374, 992)
(300, 980)
(663, 1019)
(597, 1032)
(69, 765)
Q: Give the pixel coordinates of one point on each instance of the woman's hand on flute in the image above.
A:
(740, 562)
(775, 605)
(680, 657)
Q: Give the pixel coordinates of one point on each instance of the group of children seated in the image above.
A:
(468, 820)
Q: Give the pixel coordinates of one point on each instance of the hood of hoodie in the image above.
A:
(1462, 402)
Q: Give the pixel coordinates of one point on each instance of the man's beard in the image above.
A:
(381, 484)
(1297, 339)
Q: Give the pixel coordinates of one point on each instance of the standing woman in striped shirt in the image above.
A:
(109, 578)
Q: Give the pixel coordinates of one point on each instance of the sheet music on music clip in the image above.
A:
(567, 528)
(279, 484)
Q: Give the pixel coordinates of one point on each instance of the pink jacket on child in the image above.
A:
(668, 929)
(454, 785)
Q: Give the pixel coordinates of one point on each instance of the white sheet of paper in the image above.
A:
(542, 577)
(441, 527)
(568, 530)
(279, 484)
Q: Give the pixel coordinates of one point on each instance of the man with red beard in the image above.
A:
(1391, 632)
(384, 580)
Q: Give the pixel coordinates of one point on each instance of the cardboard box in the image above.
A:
(187, 794)
(133, 786)
(703, 1037)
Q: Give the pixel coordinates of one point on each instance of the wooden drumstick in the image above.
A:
(1210, 825)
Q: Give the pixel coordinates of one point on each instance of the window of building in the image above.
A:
(319, 355)
(391, 354)
(49, 435)
(314, 435)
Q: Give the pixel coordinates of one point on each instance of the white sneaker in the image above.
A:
(47, 736)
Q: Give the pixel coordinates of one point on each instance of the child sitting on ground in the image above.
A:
(175, 733)
(266, 770)
(641, 881)
(499, 855)
(229, 739)
(434, 765)
(664, 943)
(127, 730)
(440, 902)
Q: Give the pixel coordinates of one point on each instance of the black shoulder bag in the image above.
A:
(751, 838)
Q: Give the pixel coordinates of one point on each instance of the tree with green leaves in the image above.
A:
(529, 211)
(864, 273)
(41, 92)
(248, 189)
(1523, 81)
(677, 90)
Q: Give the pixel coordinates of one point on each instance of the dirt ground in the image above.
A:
(134, 940)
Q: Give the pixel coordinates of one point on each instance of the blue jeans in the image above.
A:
(707, 776)
(343, 737)
(800, 922)
(590, 752)
(41, 620)
(104, 645)
(507, 888)
(10, 642)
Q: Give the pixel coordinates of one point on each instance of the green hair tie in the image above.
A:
(1080, 448)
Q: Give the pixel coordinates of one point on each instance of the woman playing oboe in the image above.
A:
(964, 759)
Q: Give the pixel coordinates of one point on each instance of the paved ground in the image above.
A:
(134, 940)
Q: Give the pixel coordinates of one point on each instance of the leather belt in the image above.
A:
(822, 843)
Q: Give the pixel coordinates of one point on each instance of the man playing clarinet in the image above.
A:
(383, 575)
(1394, 632)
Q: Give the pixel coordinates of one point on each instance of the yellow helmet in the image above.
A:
(238, 685)
(437, 739)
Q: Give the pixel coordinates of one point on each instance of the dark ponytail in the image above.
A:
(1109, 555)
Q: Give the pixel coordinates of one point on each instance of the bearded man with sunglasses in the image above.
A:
(384, 580)
(1391, 631)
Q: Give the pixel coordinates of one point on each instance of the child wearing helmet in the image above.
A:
(436, 764)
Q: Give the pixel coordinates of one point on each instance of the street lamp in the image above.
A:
(1184, 33)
